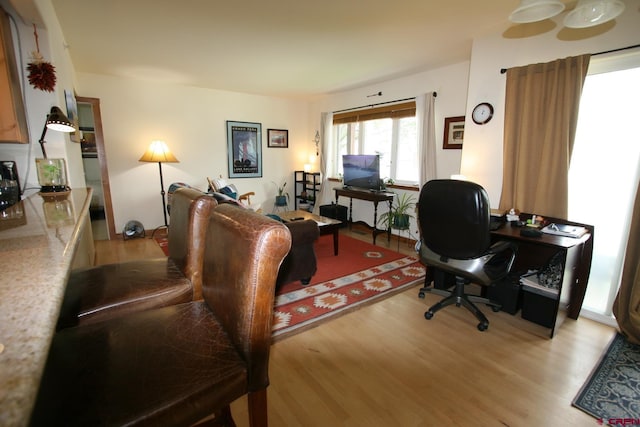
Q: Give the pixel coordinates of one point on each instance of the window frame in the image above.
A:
(354, 121)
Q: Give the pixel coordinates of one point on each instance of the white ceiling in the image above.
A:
(288, 48)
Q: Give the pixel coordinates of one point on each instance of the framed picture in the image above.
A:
(453, 133)
(244, 145)
(72, 114)
(277, 138)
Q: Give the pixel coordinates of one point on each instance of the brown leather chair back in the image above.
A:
(186, 244)
(176, 365)
(239, 281)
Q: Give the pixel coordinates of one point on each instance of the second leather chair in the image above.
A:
(111, 290)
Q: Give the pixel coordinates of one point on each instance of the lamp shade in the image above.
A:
(536, 10)
(589, 13)
(56, 120)
(158, 152)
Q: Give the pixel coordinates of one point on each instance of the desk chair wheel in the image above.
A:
(421, 294)
(428, 314)
(496, 308)
(482, 326)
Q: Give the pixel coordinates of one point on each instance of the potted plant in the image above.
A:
(282, 198)
(52, 175)
(384, 182)
(399, 215)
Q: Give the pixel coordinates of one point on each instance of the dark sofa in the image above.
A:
(300, 263)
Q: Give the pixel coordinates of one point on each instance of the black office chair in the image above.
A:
(454, 218)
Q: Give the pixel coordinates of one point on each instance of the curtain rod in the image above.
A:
(435, 94)
(504, 70)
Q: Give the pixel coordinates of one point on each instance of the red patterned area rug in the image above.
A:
(163, 243)
(359, 275)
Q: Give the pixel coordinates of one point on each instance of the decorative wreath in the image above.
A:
(42, 75)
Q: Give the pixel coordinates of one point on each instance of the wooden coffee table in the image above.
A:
(325, 225)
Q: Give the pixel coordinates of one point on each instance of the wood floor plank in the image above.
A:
(119, 250)
(378, 366)
(386, 365)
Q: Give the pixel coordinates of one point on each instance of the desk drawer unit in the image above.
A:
(539, 305)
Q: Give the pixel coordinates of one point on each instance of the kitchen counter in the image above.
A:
(38, 244)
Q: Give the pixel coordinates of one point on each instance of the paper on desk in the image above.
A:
(565, 230)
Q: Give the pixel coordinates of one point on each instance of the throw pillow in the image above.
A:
(230, 190)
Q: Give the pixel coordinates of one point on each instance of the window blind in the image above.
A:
(405, 109)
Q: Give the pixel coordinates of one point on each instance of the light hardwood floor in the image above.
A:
(385, 365)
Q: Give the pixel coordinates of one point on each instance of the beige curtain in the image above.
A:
(425, 116)
(326, 123)
(541, 114)
(626, 307)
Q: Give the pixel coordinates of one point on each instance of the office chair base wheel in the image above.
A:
(428, 315)
(495, 309)
(421, 294)
(482, 326)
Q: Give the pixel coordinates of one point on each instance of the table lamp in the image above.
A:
(52, 173)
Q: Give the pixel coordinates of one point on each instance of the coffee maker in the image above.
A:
(10, 191)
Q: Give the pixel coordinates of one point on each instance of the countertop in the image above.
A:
(38, 241)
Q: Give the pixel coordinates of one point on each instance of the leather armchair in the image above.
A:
(110, 290)
(177, 365)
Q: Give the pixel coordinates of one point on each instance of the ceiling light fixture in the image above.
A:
(589, 13)
(536, 10)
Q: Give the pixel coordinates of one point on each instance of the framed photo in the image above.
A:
(453, 133)
(244, 149)
(72, 114)
(277, 138)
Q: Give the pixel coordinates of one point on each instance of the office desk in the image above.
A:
(371, 196)
(534, 252)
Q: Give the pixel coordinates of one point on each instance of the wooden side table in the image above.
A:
(372, 196)
(325, 225)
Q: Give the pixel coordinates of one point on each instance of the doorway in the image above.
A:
(94, 160)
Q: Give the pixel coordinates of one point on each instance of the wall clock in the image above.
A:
(482, 113)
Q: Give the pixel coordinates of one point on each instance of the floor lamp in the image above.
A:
(159, 152)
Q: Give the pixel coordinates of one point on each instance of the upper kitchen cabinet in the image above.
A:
(13, 122)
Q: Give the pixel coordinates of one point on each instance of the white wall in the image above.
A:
(38, 103)
(449, 82)
(192, 121)
(517, 46)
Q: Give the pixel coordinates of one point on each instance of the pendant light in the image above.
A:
(589, 13)
(536, 10)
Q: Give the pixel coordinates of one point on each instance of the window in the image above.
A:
(389, 131)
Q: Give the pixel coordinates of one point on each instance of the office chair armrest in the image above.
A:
(504, 253)
(503, 245)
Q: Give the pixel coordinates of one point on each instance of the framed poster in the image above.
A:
(453, 133)
(72, 114)
(278, 138)
(244, 149)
